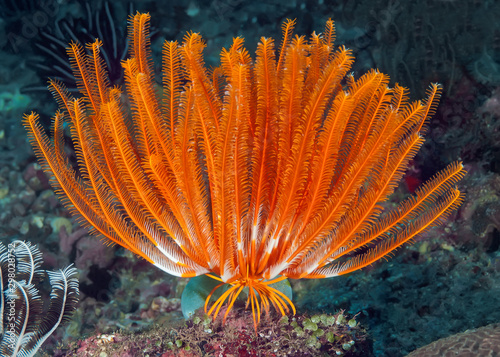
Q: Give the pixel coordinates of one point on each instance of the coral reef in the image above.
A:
(319, 335)
(481, 342)
(451, 283)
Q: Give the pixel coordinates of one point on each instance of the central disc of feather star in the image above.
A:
(259, 170)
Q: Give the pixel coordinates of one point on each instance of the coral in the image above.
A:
(88, 250)
(35, 178)
(481, 342)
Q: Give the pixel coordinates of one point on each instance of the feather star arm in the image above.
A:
(258, 171)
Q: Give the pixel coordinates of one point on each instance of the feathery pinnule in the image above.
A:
(259, 170)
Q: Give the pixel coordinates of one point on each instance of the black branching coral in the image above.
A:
(27, 320)
(262, 169)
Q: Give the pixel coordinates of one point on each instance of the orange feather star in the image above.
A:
(254, 172)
